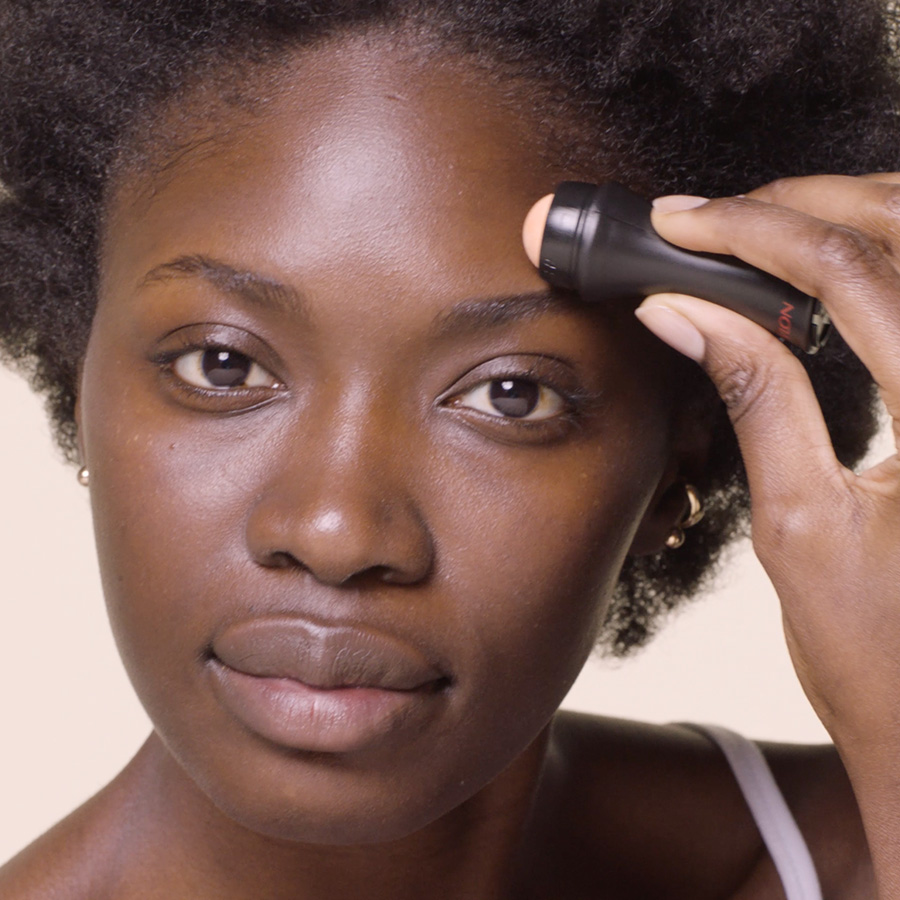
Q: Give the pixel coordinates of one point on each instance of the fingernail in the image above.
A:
(672, 328)
(678, 203)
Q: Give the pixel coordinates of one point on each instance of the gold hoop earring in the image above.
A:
(693, 515)
(84, 476)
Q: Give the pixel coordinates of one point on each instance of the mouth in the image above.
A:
(317, 687)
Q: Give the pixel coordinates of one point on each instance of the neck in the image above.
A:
(194, 850)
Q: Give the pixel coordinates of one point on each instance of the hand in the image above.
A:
(829, 538)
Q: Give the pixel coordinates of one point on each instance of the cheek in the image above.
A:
(533, 561)
(167, 531)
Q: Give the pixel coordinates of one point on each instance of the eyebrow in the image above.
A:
(470, 315)
(250, 286)
(494, 312)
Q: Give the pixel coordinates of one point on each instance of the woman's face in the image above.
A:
(361, 485)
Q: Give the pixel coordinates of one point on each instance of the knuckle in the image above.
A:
(841, 249)
(734, 204)
(887, 224)
(743, 389)
(781, 189)
(779, 526)
(788, 526)
(891, 203)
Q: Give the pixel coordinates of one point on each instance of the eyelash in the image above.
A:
(572, 404)
(569, 403)
(255, 370)
(168, 360)
(577, 405)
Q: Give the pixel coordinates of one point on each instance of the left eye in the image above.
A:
(513, 398)
(220, 368)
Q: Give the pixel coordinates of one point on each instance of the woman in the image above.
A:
(364, 488)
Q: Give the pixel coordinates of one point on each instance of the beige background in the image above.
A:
(70, 720)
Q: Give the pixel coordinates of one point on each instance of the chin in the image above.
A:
(327, 800)
(341, 823)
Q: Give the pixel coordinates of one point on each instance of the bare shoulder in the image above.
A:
(77, 859)
(667, 790)
(59, 865)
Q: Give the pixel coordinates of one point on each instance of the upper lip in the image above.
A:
(323, 655)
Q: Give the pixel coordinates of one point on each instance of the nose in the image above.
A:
(338, 503)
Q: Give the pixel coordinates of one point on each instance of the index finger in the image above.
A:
(870, 204)
(843, 268)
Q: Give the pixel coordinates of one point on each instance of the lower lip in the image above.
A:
(322, 720)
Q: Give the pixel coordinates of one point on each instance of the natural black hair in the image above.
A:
(711, 97)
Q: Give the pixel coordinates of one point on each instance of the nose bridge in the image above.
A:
(358, 428)
(361, 429)
(352, 482)
(340, 502)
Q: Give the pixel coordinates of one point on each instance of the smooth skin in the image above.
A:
(362, 476)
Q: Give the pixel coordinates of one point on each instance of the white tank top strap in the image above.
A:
(776, 824)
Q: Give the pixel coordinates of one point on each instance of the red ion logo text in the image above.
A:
(784, 320)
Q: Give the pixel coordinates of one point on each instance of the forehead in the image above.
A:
(363, 155)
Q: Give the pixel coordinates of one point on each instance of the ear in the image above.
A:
(691, 440)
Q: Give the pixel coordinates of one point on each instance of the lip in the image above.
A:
(321, 687)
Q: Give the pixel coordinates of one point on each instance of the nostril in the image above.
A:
(375, 575)
(279, 559)
(386, 573)
(368, 576)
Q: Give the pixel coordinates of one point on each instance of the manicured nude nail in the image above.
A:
(672, 328)
(678, 203)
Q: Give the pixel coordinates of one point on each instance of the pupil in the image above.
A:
(514, 397)
(225, 368)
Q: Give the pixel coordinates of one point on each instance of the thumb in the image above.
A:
(782, 435)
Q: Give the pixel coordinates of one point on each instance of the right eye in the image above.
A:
(221, 369)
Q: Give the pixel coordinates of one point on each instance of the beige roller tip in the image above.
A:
(533, 229)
